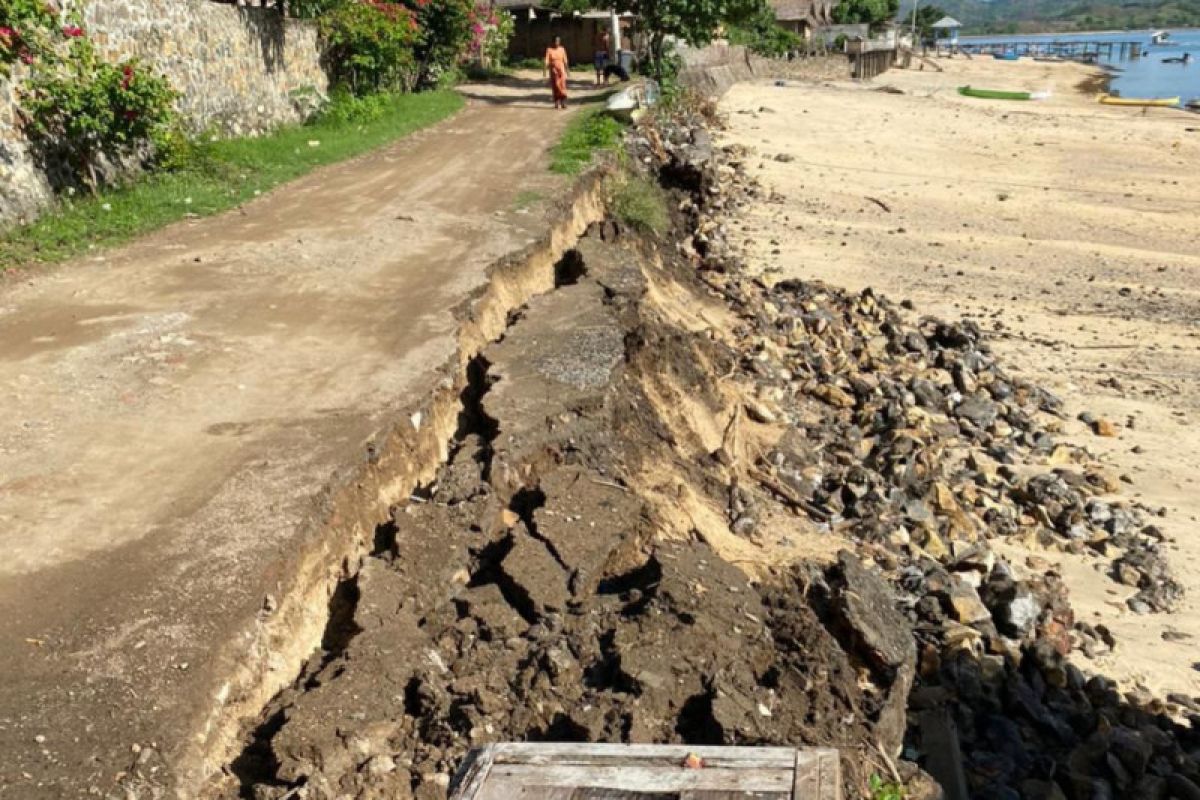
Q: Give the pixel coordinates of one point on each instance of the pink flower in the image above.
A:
(72, 31)
(27, 57)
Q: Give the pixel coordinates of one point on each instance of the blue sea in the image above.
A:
(1147, 76)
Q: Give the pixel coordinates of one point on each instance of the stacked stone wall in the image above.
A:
(239, 71)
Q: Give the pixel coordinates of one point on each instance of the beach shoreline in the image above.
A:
(1062, 228)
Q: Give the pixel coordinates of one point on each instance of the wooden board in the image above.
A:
(565, 771)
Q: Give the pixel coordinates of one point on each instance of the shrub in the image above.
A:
(346, 108)
(23, 24)
(763, 35)
(312, 9)
(369, 46)
(491, 32)
(641, 204)
(445, 32)
(79, 110)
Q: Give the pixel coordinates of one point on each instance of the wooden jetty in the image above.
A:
(567, 771)
(870, 58)
(1068, 49)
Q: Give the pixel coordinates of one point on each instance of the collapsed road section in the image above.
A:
(685, 504)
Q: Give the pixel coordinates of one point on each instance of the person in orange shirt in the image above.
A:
(558, 67)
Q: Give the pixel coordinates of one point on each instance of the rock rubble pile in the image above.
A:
(912, 440)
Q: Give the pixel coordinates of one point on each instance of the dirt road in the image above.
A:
(1064, 227)
(186, 419)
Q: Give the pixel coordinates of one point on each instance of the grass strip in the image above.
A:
(589, 131)
(217, 176)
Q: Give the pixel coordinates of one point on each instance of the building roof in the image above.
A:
(947, 22)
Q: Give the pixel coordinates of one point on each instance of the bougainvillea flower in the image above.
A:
(72, 31)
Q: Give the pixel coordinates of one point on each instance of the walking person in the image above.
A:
(600, 58)
(557, 68)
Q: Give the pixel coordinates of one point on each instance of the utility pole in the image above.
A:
(914, 25)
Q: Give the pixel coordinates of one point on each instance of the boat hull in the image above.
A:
(993, 94)
(1153, 102)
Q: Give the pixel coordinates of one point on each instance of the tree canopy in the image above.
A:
(872, 12)
(926, 16)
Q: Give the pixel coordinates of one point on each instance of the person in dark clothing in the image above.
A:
(615, 71)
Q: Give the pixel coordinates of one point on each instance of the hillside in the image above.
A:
(1032, 16)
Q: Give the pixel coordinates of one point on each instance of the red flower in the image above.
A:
(7, 34)
(72, 31)
(27, 57)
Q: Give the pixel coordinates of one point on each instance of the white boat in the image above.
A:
(628, 104)
(1160, 37)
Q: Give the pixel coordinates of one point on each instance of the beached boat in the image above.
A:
(630, 103)
(1008, 55)
(1111, 100)
(994, 94)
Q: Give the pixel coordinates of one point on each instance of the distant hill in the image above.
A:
(1036, 16)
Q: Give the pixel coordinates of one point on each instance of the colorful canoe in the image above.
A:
(993, 94)
(1112, 100)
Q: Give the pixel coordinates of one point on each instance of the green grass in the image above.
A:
(219, 175)
(640, 203)
(588, 132)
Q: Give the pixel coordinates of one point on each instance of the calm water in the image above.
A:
(1138, 77)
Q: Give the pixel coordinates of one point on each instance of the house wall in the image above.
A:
(240, 70)
(579, 35)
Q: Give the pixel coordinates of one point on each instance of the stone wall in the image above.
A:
(239, 70)
(713, 69)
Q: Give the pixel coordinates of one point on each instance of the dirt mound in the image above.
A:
(527, 594)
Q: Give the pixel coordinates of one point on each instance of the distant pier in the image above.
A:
(1073, 48)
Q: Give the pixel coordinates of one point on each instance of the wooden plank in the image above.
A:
(588, 752)
(640, 777)
(736, 794)
(472, 775)
(817, 775)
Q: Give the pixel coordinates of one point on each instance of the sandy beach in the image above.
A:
(1065, 228)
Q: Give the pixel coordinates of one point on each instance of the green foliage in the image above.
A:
(694, 21)
(345, 108)
(494, 31)
(369, 46)
(763, 34)
(79, 109)
(640, 203)
(873, 12)
(23, 27)
(885, 790)
(588, 132)
(313, 9)
(212, 176)
(445, 30)
(926, 16)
